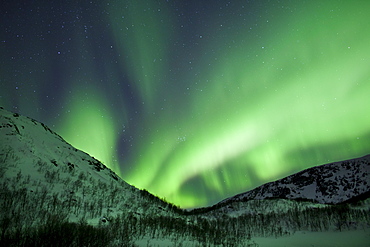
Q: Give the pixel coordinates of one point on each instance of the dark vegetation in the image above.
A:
(55, 231)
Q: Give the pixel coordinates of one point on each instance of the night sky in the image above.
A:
(193, 100)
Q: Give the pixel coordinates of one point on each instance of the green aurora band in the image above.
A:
(266, 109)
(262, 99)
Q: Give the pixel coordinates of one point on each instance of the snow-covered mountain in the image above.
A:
(35, 159)
(332, 183)
(34, 142)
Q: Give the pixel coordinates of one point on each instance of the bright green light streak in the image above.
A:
(89, 126)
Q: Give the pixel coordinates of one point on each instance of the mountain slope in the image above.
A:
(34, 140)
(35, 160)
(328, 184)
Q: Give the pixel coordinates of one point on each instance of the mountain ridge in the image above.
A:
(317, 184)
(14, 124)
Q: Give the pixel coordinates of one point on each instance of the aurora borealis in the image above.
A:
(194, 101)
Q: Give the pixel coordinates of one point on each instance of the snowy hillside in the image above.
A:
(36, 160)
(328, 184)
(33, 142)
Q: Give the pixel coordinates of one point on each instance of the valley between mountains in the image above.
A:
(55, 195)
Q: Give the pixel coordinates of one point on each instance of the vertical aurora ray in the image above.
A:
(142, 35)
(139, 29)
